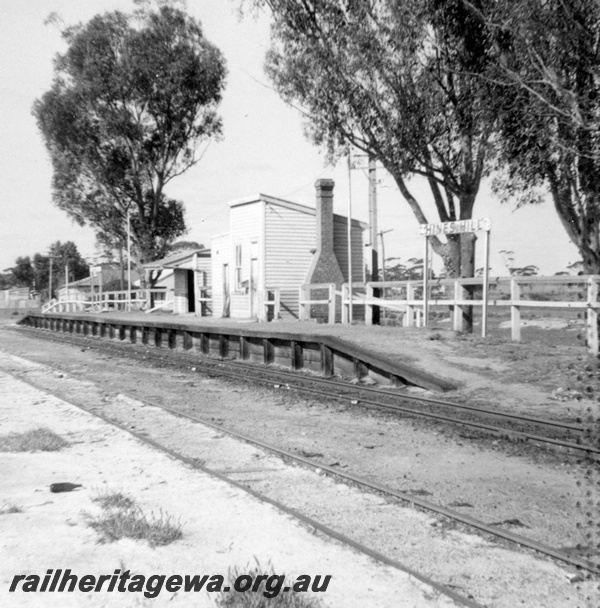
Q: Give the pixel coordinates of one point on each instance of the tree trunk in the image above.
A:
(583, 230)
(467, 270)
(450, 252)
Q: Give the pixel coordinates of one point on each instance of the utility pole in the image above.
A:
(128, 260)
(50, 281)
(373, 234)
(381, 233)
(350, 292)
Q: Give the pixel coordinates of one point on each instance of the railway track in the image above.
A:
(553, 434)
(238, 370)
(458, 598)
(386, 491)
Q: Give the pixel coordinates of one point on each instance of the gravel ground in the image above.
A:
(222, 526)
(444, 467)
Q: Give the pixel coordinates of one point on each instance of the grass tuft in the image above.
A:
(8, 508)
(258, 599)
(36, 440)
(120, 521)
(114, 500)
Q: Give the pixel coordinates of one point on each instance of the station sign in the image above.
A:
(457, 227)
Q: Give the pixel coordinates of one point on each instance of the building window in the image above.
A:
(238, 268)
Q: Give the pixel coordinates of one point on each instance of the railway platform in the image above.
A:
(355, 351)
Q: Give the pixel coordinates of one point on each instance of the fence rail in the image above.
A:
(272, 299)
(305, 301)
(457, 294)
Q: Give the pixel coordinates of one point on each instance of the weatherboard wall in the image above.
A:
(290, 242)
(340, 247)
(220, 272)
(245, 232)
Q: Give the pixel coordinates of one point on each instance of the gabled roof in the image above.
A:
(176, 259)
(280, 202)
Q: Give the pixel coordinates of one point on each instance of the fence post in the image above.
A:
(515, 310)
(409, 319)
(369, 307)
(301, 306)
(592, 316)
(331, 303)
(459, 294)
(277, 303)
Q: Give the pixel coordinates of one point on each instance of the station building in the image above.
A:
(278, 245)
(273, 246)
(185, 277)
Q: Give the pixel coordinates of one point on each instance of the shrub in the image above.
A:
(37, 440)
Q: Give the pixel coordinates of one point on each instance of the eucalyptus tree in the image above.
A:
(397, 80)
(546, 65)
(133, 98)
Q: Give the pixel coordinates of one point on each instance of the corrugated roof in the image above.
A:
(273, 200)
(174, 260)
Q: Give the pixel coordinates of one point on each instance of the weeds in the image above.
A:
(268, 594)
(122, 518)
(114, 500)
(36, 440)
(8, 508)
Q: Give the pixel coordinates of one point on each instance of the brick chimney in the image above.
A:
(324, 267)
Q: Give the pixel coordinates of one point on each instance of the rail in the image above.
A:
(64, 306)
(458, 294)
(461, 296)
(203, 301)
(272, 300)
(306, 300)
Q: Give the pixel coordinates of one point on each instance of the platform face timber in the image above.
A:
(318, 352)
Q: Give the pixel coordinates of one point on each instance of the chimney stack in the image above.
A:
(324, 267)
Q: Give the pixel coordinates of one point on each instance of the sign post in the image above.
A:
(457, 227)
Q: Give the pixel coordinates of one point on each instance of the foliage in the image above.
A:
(546, 60)
(109, 499)
(133, 97)
(41, 439)
(22, 272)
(36, 274)
(124, 519)
(516, 271)
(181, 246)
(67, 254)
(411, 271)
(6, 280)
(395, 80)
(268, 594)
(525, 271)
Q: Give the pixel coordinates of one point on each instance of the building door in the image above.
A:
(254, 279)
(226, 295)
(191, 290)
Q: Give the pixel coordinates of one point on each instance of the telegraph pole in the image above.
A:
(381, 233)
(350, 291)
(50, 282)
(373, 234)
(128, 260)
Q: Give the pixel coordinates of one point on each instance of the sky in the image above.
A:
(263, 150)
